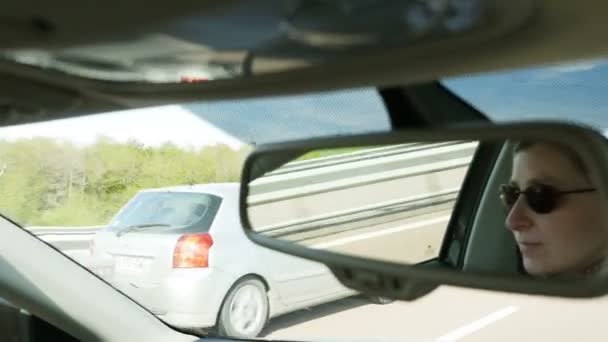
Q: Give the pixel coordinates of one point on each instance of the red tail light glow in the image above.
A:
(192, 250)
(188, 79)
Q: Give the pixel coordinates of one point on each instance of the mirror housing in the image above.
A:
(408, 282)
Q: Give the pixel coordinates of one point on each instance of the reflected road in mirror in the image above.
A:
(390, 203)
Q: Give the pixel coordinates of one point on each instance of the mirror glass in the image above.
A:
(389, 202)
(532, 208)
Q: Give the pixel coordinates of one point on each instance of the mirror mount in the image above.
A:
(373, 283)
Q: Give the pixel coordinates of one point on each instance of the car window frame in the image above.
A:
(458, 233)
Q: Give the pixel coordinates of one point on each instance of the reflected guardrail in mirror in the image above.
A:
(372, 231)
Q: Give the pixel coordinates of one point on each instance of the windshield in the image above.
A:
(169, 176)
(573, 92)
(147, 199)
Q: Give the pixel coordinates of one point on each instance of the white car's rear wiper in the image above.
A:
(140, 227)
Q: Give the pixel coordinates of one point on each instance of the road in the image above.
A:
(450, 314)
(404, 238)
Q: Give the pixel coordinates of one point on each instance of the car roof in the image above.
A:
(217, 189)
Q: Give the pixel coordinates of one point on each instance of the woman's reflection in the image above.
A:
(556, 214)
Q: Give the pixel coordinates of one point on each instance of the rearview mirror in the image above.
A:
(398, 214)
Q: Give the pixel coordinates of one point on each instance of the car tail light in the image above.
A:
(192, 250)
(188, 79)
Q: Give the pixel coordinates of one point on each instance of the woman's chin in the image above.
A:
(536, 268)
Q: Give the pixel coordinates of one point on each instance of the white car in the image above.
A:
(181, 252)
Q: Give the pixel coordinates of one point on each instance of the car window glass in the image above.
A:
(572, 92)
(171, 208)
(66, 180)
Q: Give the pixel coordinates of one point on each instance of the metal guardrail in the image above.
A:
(70, 240)
(59, 230)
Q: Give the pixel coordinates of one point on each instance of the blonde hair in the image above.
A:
(577, 161)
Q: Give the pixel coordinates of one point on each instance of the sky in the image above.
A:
(576, 90)
(150, 126)
(234, 123)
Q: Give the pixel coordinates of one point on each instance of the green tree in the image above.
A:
(46, 182)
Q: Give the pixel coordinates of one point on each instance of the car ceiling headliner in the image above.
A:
(557, 31)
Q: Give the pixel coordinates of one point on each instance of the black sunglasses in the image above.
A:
(539, 197)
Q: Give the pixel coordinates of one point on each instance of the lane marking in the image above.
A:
(478, 324)
(370, 235)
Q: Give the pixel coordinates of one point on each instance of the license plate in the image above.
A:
(129, 264)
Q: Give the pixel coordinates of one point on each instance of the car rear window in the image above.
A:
(176, 209)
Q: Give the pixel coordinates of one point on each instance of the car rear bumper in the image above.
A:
(185, 298)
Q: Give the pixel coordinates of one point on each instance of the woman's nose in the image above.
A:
(519, 216)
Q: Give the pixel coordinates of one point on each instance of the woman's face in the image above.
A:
(574, 235)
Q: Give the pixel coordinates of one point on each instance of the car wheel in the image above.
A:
(380, 300)
(244, 312)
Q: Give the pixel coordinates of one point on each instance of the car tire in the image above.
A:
(245, 310)
(380, 300)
